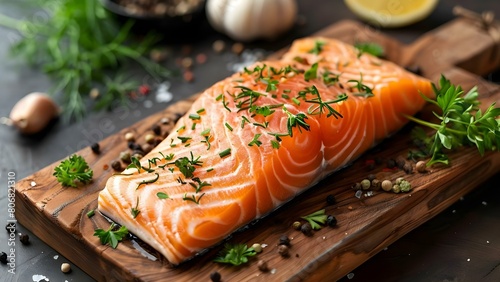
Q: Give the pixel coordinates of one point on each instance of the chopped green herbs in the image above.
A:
(72, 171)
(371, 48)
(162, 195)
(311, 73)
(235, 254)
(316, 218)
(134, 210)
(225, 153)
(297, 120)
(147, 181)
(255, 141)
(318, 47)
(111, 236)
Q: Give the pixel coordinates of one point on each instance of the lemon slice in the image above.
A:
(391, 13)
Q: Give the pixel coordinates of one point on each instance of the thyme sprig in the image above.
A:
(298, 121)
(462, 122)
(323, 106)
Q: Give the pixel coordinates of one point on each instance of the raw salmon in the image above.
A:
(253, 141)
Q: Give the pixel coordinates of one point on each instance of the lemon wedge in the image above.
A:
(391, 13)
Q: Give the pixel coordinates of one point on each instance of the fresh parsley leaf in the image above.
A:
(369, 47)
(318, 47)
(311, 73)
(73, 170)
(235, 254)
(316, 218)
(461, 122)
(111, 236)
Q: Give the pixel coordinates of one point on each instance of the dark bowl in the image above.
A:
(174, 26)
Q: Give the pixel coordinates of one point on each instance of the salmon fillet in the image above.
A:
(255, 140)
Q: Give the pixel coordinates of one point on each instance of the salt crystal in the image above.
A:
(358, 194)
(453, 211)
(273, 271)
(324, 237)
(39, 278)
(468, 259)
(487, 242)
(263, 245)
(148, 104)
(350, 275)
(484, 203)
(56, 256)
(163, 95)
(33, 183)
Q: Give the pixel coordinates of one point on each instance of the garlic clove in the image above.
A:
(33, 112)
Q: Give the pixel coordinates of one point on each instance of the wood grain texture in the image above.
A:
(57, 215)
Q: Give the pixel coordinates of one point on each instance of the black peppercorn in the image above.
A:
(95, 148)
(116, 165)
(215, 276)
(391, 163)
(400, 162)
(408, 168)
(331, 221)
(306, 228)
(284, 240)
(3, 258)
(25, 239)
(330, 200)
(156, 129)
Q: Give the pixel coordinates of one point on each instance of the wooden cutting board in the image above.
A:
(366, 225)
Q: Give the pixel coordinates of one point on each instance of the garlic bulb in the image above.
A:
(246, 20)
(33, 113)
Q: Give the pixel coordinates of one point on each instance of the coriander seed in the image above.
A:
(257, 247)
(262, 265)
(421, 167)
(65, 267)
(283, 250)
(386, 185)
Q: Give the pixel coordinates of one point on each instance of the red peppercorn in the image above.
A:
(144, 89)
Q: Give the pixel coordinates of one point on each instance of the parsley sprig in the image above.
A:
(236, 254)
(316, 218)
(111, 236)
(72, 171)
(461, 122)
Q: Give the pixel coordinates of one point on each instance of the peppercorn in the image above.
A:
(284, 240)
(165, 120)
(331, 221)
(376, 184)
(396, 189)
(125, 157)
(95, 148)
(398, 180)
(262, 265)
(219, 46)
(400, 162)
(365, 184)
(129, 136)
(116, 165)
(3, 258)
(134, 146)
(386, 185)
(25, 239)
(296, 225)
(146, 148)
(408, 168)
(156, 129)
(187, 62)
(306, 229)
(356, 186)
(371, 176)
(421, 167)
(257, 247)
(391, 163)
(237, 48)
(215, 276)
(201, 58)
(150, 138)
(188, 76)
(330, 200)
(138, 155)
(65, 267)
(283, 250)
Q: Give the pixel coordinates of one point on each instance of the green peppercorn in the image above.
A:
(396, 189)
(405, 186)
(257, 247)
(398, 180)
(296, 225)
(386, 185)
(365, 184)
